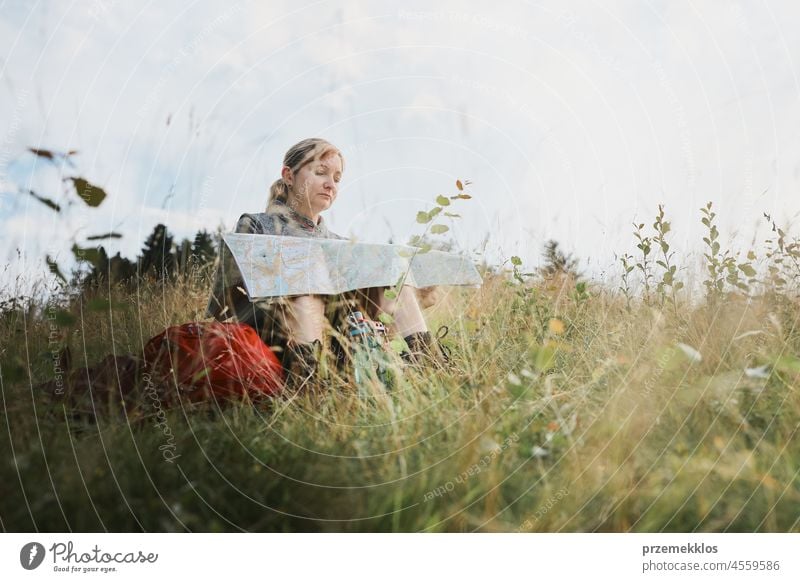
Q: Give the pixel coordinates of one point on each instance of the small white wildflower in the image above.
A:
(539, 452)
(758, 372)
(514, 379)
(487, 445)
(691, 353)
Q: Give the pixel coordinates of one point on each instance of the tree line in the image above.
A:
(161, 259)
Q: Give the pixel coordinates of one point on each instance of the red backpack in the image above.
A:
(227, 359)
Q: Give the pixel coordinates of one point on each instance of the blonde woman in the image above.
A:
(296, 327)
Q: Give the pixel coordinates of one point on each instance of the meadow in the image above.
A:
(648, 405)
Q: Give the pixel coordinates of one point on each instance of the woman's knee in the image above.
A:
(428, 296)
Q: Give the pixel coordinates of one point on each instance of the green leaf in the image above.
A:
(88, 254)
(104, 236)
(452, 215)
(442, 201)
(678, 286)
(46, 154)
(747, 269)
(45, 201)
(89, 193)
(52, 155)
(53, 267)
(439, 229)
(516, 261)
(434, 212)
(423, 218)
(390, 294)
(398, 345)
(386, 319)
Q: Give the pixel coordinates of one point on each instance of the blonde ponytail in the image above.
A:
(278, 191)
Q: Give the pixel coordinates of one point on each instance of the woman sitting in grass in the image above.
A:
(297, 327)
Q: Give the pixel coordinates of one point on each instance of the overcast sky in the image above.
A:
(571, 119)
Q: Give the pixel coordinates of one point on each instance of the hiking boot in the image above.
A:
(425, 349)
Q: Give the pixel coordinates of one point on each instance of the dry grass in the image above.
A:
(602, 424)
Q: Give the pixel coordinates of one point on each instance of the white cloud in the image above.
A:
(572, 119)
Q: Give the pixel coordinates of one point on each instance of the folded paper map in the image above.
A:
(273, 266)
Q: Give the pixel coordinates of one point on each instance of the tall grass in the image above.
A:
(570, 407)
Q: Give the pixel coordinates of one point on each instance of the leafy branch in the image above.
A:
(427, 218)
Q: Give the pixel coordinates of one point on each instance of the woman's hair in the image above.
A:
(300, 154)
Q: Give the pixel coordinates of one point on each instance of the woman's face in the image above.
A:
(316, 184)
